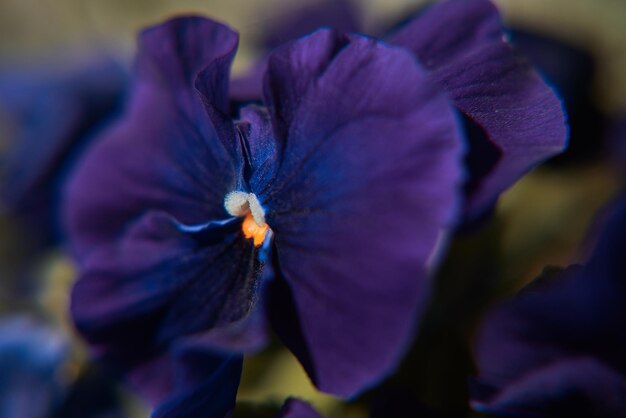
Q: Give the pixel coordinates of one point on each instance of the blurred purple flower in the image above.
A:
(34, 378)
(31, 358)
(557, 348)
(342, 184)
(51, 116)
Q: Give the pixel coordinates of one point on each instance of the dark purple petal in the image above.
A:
(567, 388)
(165, 153)
(163, 281)
(571, 71)
(247, 335)
(571, 314)
(295, 408)
(51, 116)
(368, 177)
(516, 120)
(189, 381)
(261, 149)
(577, 312)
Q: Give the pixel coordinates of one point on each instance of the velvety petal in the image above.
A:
(368, 176)
(164, 280)
(51, 116)
(189, 381)
(516, 120)
(247, 335)
(166, 152)
(567, 388)
(295, 408)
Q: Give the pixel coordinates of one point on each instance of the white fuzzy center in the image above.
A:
(242, 203)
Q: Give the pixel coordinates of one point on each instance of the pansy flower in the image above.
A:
(342, 184)
(49, 117)
(557, 348)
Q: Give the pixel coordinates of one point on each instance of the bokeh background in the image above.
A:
(541, 221)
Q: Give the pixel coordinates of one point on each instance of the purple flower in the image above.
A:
(557, 348)
(51, 117)
(342, 185)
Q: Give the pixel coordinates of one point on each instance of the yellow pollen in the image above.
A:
(253, 230)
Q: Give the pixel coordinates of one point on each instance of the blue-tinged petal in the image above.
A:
(165, 153)
(295, 408)
(31, 361)
(368, 176)
(260, 146)
(51, 117)
(164, 280)
(188, 381)
(516, 121)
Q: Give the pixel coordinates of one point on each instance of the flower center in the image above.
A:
(247, 205)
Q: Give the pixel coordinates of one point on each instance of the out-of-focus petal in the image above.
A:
(31, 361)
(368, 176)
(51, 118)
(165, 153)
(575, 313)
(567, 388)
(516, 121)
(295, 408)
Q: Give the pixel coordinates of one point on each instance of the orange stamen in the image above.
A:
(253, 230)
